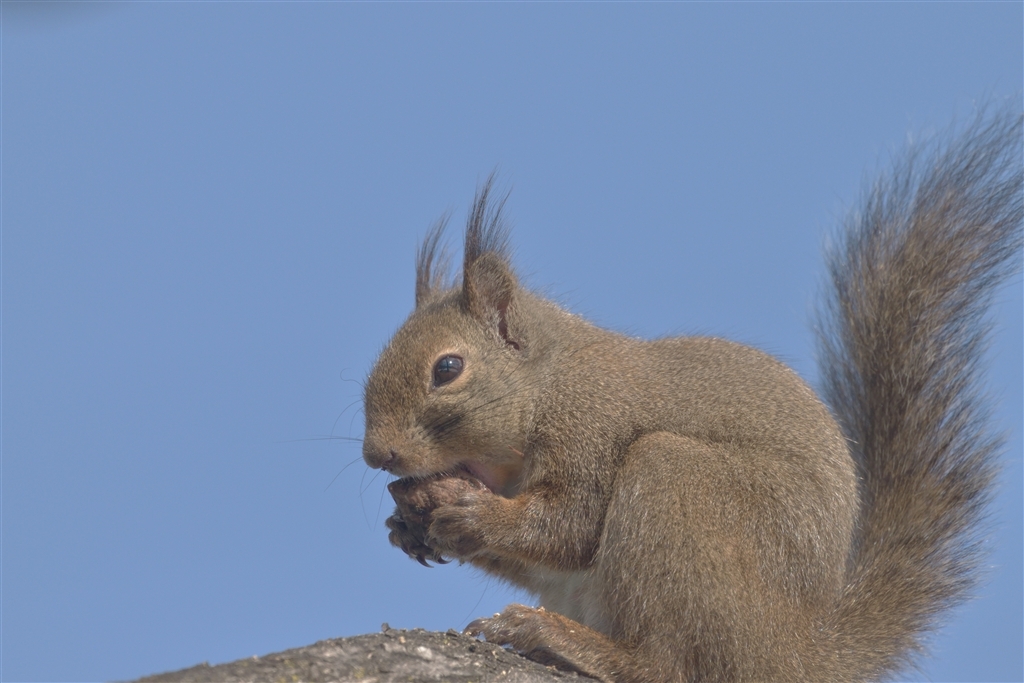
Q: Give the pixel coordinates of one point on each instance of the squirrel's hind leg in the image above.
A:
(705, 527)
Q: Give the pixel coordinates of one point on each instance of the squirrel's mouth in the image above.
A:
(466, 470)
(482, 474)
(501, 476)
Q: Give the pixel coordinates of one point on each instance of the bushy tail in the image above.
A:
(900, 349)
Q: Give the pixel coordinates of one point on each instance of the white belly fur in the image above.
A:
(571, 594)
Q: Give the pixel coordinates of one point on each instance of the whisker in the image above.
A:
(342, 470)
(380, 504)
(333, 426)
(442, 425)
(323, 438)
(363, 490)
(472, 610)
(372, 479)
(351, 419)
(360, 382)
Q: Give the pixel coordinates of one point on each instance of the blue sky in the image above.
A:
(209, 217)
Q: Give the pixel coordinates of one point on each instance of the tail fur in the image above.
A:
(902, 339)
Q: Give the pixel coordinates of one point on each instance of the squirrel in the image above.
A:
(688, 508)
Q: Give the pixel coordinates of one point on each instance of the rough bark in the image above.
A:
(390, 656)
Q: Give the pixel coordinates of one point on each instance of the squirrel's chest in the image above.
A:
(576, 595)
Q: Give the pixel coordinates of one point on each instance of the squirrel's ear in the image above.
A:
(432, 263)
(488, 290)
(488, 283)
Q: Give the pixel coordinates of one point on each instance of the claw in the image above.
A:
(476, 627)
(422, 560)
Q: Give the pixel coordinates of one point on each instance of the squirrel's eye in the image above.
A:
(447, 369)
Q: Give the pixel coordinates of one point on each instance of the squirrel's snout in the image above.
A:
(389, 461)
(380, 459)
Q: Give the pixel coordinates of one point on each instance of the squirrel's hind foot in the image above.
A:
(555, 640)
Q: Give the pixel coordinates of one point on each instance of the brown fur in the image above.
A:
(688, 508)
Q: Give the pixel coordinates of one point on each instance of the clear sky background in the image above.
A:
(209, 217)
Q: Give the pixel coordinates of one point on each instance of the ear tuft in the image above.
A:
(432, 263)
(486, 230)
(488, 281)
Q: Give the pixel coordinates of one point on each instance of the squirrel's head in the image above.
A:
(451, 391)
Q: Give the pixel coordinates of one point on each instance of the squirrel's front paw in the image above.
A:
(408, 534)
(456, 530)
(417, 502)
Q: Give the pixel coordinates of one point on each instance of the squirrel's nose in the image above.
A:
(383, 459)
(389, 461)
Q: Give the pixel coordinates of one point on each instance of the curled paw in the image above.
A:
(417, 502)
(418, 498)
(409, 537)
(456, 530)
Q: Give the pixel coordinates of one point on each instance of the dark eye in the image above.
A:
(447, 369)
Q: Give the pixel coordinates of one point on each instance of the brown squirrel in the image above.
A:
(687, 509)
